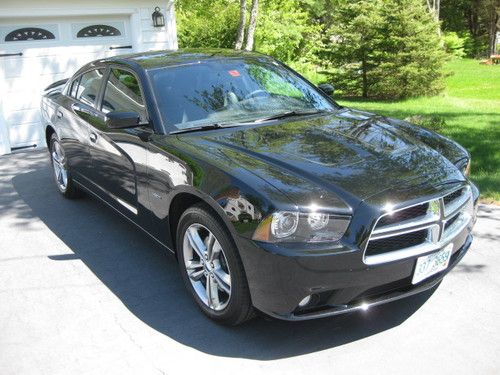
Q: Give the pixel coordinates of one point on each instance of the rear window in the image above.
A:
(89, 86)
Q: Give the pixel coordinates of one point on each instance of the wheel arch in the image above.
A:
(187, 197)
(49, 130)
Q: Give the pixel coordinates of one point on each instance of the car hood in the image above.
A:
(350, 153)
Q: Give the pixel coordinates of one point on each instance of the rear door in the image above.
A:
(119, 155)
(75, 116)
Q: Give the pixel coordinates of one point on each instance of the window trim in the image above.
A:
(97, 100)
(130, 71)
(75, 81)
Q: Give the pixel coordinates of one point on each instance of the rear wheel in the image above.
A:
(62, 173)
(211, 267)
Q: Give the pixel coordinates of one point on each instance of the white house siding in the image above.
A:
(23, 78)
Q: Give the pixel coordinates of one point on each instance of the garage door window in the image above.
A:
(28, 33)
(89, 87)
(98, 31)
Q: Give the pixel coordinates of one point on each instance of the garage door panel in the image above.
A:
(26, 135)
(33, 68)
(26, 116)
(24, 78)
(28, 85)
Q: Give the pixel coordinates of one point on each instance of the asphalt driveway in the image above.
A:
(83, 291)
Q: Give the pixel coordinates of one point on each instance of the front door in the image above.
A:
(119, 155)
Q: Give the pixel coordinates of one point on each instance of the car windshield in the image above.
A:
(232, 91)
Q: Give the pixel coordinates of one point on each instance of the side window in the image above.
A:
(123, 94)
(74, 88)
(89, 86)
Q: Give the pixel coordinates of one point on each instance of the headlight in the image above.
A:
(287, 226)
(464, 167)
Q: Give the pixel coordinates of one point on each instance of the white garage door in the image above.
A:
(36, 52)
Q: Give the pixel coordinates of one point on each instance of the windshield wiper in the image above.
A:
(203, 127)
(292, 114)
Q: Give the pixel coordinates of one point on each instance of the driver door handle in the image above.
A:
(93, 137)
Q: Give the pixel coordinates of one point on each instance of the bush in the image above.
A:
(454, 44)
(207, 23)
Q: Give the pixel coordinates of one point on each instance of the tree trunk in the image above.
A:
(364, 75)
(494, 21)
(241, 27)
(434, 7)
(252, 25)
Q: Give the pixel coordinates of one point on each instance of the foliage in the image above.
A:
(470, 109)
(454, 44)
(207, 23)
(285, 31)
(385, 49)
(473, 19)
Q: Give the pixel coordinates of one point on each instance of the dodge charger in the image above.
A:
(271, 196)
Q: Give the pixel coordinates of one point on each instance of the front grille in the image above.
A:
(450, 222)
(419, 229)
(397, 242)
(406, 214)
(451, 197)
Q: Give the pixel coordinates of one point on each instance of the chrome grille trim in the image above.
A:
(404, 227)
(457, 203)
(434, 222)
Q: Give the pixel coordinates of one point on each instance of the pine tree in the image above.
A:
(386, 49)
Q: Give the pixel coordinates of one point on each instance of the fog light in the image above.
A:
(305, 301)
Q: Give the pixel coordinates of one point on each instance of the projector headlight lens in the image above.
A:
(288, 226)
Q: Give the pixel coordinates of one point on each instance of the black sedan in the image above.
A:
(271, 196)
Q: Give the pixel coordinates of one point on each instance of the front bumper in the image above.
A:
(338, 279)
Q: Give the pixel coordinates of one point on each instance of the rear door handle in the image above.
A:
(93, 137)
(77, 107)
(59, 115)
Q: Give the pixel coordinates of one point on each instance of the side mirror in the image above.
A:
(327, 88)
(122, 120)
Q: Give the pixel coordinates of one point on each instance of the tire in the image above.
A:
(61, 170)
(224, 268)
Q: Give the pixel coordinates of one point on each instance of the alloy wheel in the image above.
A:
(207, 267)
(59, 165)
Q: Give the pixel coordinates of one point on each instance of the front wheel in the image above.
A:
(62, 173)
(211, 267)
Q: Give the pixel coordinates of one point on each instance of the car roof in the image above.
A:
(165, 58)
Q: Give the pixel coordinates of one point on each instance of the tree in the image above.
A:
(493, 12)
(476, 21)
(385, 48)
(434, 7)
(207, 23)
(241, 25)
(252, 25)
(287, 31)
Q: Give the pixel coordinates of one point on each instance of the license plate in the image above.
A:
(431, 264)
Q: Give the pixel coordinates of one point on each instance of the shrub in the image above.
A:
(207, 23)
(454, 44)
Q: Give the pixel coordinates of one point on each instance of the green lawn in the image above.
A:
(470, 107)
